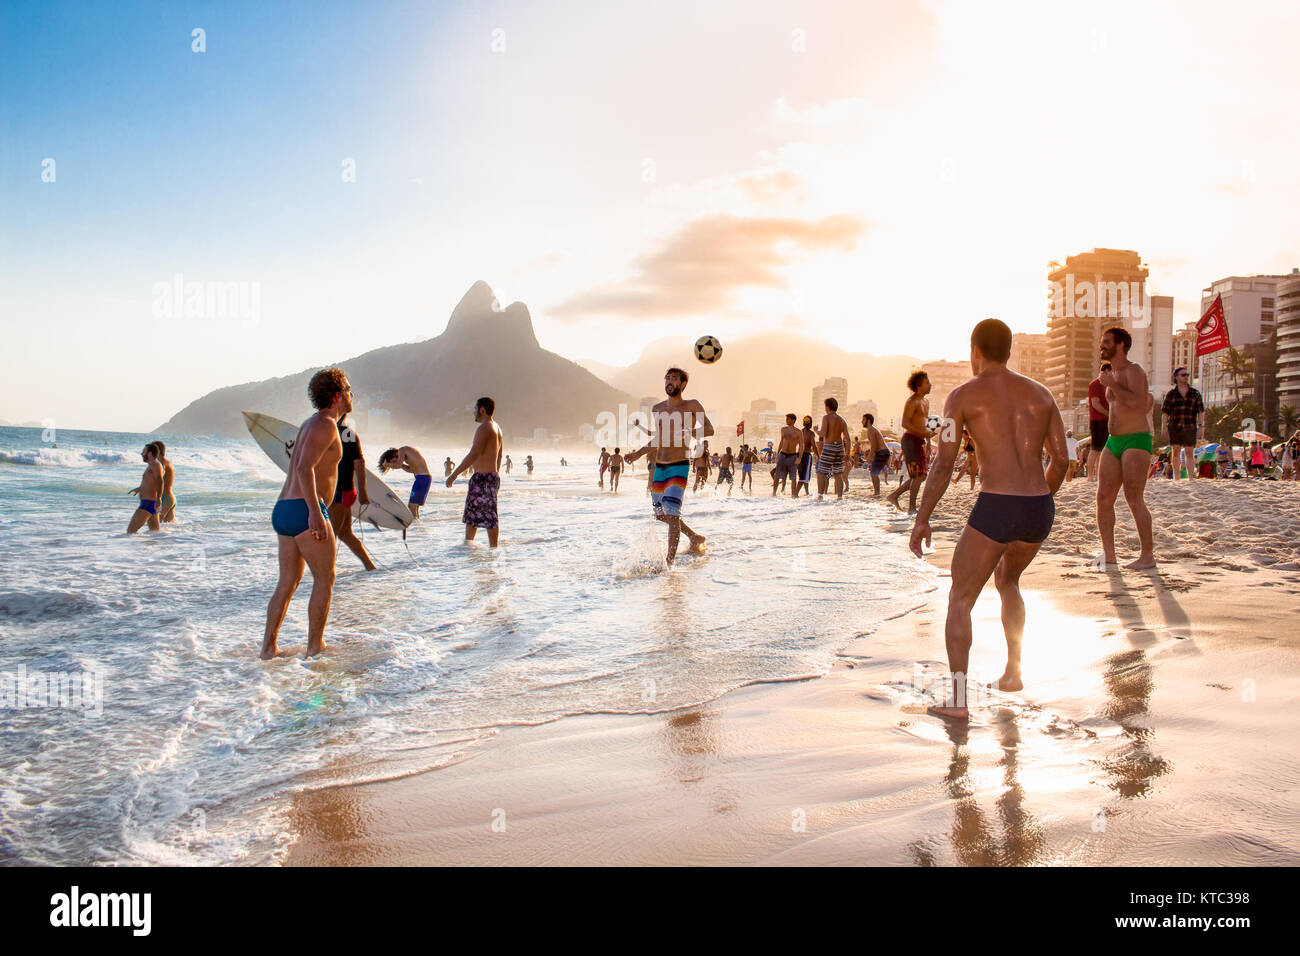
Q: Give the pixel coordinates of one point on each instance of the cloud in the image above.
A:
(697, 269)
(765, 189)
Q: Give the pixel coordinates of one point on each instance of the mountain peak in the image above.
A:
(479, 300)
(479, 313)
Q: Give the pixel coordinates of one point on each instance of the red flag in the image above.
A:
(740, 429)
(1212, 330)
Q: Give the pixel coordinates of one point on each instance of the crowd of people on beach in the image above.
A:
(1000, 430)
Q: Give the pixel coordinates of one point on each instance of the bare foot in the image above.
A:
(268, 652)
(314, 649)
(949, 713)
(697, 544)
(1143, 563)
(1010, 681)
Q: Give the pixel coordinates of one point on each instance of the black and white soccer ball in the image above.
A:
(708, 349)
(933, 423)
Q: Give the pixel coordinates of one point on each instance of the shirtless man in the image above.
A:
(485, 458)
(675, 423)
(1011, 418)
(916, 440)
(604, 463)
(806, 458)
(301, 519)
(702, 464)
(447, 466)
(615, 469)
(1127, 456)
(787, 456)
(835, 440)
(726, 469)
(877, 454)
(149, 490)
(409, 459)
(509, 464)
(351, 487)
(167, 504)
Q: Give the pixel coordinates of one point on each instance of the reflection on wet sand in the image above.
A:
(1128, 682)
(976, 840)
(333, 822)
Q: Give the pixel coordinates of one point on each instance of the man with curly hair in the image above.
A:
(301, 517)
(916, 440)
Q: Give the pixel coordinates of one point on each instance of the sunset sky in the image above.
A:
(881, 175)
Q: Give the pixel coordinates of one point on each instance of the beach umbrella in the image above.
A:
(1252, 436)
(1207, 452)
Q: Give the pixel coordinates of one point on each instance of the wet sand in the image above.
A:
(1157, 727)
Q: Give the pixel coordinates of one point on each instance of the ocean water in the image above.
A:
(196, 746)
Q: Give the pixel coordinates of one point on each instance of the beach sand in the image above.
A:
(1157, 727)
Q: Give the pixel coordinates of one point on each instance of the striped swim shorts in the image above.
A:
(668, 486)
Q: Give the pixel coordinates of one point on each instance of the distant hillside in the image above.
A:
(778, 365)
(423, 389)
(600, 369)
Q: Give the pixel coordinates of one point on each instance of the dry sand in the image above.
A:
(1157, 726)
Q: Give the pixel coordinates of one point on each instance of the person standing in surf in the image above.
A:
(877, 453)
(1011, 418)
(301, 519)
(485, 459)
(351, 487)
(835, 439)
(806, 459)
(675, 423)
(149, 490)
(167, 504)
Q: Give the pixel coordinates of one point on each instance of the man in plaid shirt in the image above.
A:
(1183, 422)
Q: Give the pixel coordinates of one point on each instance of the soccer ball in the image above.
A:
(933, 423)
(708, 349)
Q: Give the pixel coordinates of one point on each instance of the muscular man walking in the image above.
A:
(300, 517)
(1011, 418)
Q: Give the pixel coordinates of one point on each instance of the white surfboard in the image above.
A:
(276, 438)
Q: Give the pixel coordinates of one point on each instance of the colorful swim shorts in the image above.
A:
(668, 486)
(481, 499)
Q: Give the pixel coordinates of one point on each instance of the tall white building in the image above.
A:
(1153, 343)
(1248, 310)
(837, 387)
(1288, 340)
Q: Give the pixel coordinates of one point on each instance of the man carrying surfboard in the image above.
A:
(485, 459)
(301, 519)
(351, 487)
(408, 458)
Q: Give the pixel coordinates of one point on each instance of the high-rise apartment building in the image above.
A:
(837, 387)
(1184, 349)
(1286, 311)
(1248, 310)
(1086, 295)
(1029, 355)
(944, 377)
